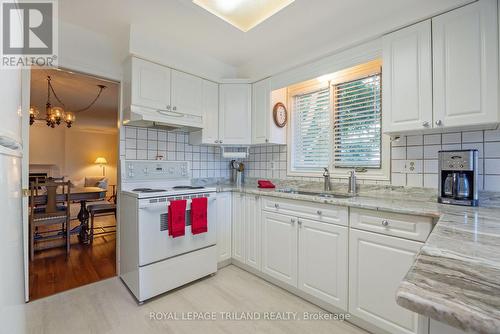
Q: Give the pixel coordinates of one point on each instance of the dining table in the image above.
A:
(77, 194)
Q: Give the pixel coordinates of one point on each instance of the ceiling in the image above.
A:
(76, 91)
(303, 31)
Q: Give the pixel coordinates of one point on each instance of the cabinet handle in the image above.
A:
(276, 205)
(216, 141)
(292, 220)
(267, 140)
(256, 196)
(300, 222)
(174, 108)
(220, 141)
(385, 222)
(439, 122)
(319, 212)
(168, 107)
(425, 124)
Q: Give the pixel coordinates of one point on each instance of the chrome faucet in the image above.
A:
(326, 176)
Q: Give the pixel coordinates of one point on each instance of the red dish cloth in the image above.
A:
(265, 184)
(199, 215)
(177, 218)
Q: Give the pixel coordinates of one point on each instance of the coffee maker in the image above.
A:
(458, 174)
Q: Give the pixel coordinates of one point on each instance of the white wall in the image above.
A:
(89, 52)
(145, 44)
(74, 151)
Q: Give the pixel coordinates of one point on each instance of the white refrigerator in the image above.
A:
(12, 279)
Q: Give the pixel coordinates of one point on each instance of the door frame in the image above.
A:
(25, 127)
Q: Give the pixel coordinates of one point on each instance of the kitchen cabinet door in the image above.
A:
(187, 94)
(465, 61)
(264, 131)
(252, 231)
(261, 109)
(238, 227)
(210, 132)
(279, 247)
(407, 79)
(235, 114)
(223, 226)
(150, 85)
(323, 261)
(377, 265)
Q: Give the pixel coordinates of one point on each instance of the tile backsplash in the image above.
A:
(152, 144)
(413, 163)
(421, 153)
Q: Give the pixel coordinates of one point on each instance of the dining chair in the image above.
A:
(53, 210)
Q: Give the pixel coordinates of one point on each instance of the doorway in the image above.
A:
(73, 140)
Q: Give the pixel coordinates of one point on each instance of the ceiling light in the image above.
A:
(243, 14)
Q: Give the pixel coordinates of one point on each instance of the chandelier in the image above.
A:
(57, 115)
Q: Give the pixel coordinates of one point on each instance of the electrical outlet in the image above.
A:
(413, 166)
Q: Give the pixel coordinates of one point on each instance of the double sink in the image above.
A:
(314, 193)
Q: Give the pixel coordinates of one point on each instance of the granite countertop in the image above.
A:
(456, 276)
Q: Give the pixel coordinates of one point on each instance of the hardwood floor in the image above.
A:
(52, 272)
(107, 307)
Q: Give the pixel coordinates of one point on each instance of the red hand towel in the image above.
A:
(265, 184)
(177, 218)
(199, 215)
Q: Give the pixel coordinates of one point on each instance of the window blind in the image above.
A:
(357, 123)
(312, 128)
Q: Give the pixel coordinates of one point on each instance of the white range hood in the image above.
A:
(146, 117)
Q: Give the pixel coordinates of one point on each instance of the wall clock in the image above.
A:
(280, 115)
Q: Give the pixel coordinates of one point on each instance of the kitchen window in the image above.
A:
(336, 123)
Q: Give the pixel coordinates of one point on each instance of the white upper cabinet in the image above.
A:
(261, 108)
(451, 85)
(264, 130)
(323, 261)
(210, 113)
(187, 93)
(407, 79)
(235, 114)
(465, 60)
(150, 85)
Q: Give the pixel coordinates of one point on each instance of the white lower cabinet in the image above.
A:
(279, 247)
(238, 227)
(377, 265)
(223, 226)
(437, 327)
(323, 263)
(252, 231)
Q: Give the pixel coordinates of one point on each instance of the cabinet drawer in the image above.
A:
(395, 224)
(316, 211)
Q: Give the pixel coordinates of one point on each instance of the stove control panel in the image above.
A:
(150, 170)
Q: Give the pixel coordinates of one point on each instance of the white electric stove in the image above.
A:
(151, 261)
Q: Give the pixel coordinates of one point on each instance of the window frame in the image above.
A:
(349, 74)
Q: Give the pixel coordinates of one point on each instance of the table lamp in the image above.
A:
(101, 162)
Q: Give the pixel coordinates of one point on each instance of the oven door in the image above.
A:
(154, 242)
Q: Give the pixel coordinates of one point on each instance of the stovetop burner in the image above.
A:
(187, 187)
(148, 190)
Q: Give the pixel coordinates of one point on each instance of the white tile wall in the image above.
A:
(414, 159)
(151, 144)
(407, 150)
